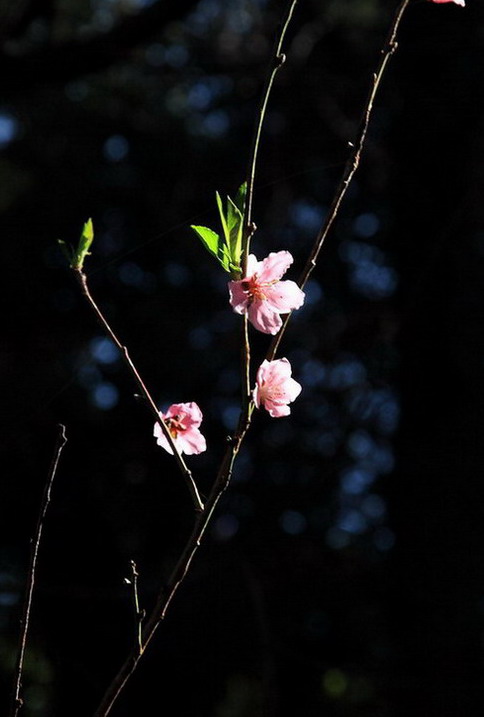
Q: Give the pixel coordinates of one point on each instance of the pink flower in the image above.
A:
(182, 420)
(457, 2)
(275, 388)
(262, 296)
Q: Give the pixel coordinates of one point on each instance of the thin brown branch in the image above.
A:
(187, 474)
(389, 47)
(16, 700)
(138, 614)
(278, 59)
(180, 570)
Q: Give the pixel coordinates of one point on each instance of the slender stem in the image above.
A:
(82, 279)
(16, 701)
(278, 59)
(138, 614)
(224, 473)
(389, 47)
(245, 363)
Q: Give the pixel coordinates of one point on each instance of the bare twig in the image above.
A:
(278, 59)
(351, 165)
(187, 474)
(16, 701)
(138, 614)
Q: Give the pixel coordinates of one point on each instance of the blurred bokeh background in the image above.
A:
(343, 574)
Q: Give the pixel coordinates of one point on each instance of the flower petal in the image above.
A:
(263, 317)
(191, 442)
(253, 266)
(189, 414)
(275, 372)
(285, 296)
(238, 297)
(161, 439)
(290, 390)
(277, 410)
(274, 266)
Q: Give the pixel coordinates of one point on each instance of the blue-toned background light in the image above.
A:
(176, 274)
(8, 129)
(366, 225)
(103, 350)
(225, 527)
(116, 148)
(200, 337)
(292, 522)
(105, 396)
(355, 481)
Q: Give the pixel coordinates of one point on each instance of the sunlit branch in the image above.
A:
(351, 165)
(138, 614)
(278, 59)
(16, 701)
(82, 279)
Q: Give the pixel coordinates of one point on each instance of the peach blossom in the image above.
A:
(183, 421)
(275, 388)
(262, 296)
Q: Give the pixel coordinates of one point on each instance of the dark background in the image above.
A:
(343, 574)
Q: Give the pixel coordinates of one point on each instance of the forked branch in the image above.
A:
(225, 471)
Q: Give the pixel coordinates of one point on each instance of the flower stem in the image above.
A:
(278, 59)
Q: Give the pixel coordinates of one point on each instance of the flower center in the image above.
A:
(174, 425)
(271, 392)
(255, 289)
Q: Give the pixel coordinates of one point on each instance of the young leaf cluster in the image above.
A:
(227, 249)
(76, 257)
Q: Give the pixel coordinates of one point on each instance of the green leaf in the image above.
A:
(214, 244)
(240, 197)
(228, 247)
(85, 241)
(222, 217)
(235, 222)
(209, 238)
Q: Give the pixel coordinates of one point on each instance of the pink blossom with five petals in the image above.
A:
(262, 296)
(183, 421)
(275, 388)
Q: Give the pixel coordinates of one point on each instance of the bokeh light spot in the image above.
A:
(105, 396)
(293, 522)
